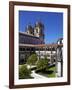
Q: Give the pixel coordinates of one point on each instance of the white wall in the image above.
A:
(4, 44)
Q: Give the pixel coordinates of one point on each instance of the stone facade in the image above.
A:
(25, 38)
(32, 35)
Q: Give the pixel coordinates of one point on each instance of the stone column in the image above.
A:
(30, 50)
(60, 62)
(61, 57)
(25, 54)
(38, 53)
(51, 56)
(56, 62)
(45, 50)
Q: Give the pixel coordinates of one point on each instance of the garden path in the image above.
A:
(37, 76)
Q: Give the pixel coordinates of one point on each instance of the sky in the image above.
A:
(53, 23)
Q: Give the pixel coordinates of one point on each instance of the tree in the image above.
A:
(32, 59)
(42, 64)
(24, 72)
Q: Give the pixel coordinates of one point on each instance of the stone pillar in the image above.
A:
(45, 50)
(51, 56)
(61, 57)
(60, 62)
(39, 54)
(56, 62)
(30, 50)
(25, 54)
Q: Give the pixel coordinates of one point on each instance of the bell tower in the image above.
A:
(29, 30)
(39, 30)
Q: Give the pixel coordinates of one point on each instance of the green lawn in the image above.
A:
(21, 65)
(53, 73)
(49, 73)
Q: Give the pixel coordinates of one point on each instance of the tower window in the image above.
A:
(37, 30)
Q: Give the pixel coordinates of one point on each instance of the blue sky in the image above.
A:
(53, 23)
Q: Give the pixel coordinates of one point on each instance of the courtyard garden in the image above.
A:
(35, 68)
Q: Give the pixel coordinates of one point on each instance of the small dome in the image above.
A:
(29, 27)
(40, 24)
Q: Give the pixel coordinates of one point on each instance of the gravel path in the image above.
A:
(37, 76)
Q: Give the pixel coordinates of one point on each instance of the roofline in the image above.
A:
(27, 34)
(41, 45)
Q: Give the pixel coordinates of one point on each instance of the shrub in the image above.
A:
(33, 68)
(32, 59)
(24, 72)
(42, 64)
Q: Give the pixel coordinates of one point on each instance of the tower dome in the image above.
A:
(39, 24)
(29, 29)
(39, 30)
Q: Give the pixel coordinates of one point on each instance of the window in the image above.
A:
(37, 30)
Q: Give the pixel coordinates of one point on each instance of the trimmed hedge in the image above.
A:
(24, 72)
